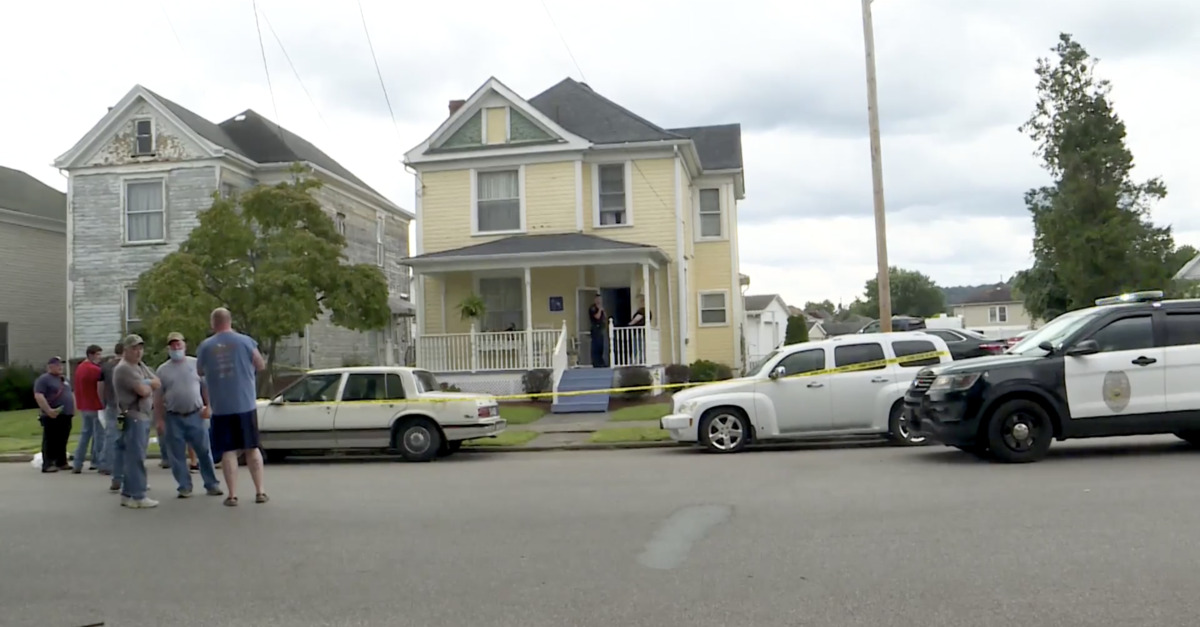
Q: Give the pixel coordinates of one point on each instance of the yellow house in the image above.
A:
(536, 206)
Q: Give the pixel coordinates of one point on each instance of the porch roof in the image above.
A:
(540, 250)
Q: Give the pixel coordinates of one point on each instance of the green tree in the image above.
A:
(824, 305)
(913, 294)
(275, 259)
(797, 330)
(1092, 231)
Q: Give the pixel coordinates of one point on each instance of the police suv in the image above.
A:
(1128, 366)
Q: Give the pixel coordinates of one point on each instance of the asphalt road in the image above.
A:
(1102, 533)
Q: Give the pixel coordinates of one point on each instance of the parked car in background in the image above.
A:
(1016, 339)
(965, 344)
(796, 393)
(375, 408)
(899, 323)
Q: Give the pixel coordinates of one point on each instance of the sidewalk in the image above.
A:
(569, 431)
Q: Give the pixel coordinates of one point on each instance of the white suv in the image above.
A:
(845, 385)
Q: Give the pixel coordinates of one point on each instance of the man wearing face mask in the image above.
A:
(181, 406)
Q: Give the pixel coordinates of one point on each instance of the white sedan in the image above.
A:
(377, 408)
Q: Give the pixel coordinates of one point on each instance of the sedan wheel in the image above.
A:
(419, 440)
(724, 431)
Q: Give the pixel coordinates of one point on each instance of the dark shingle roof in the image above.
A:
(719, 147)
(534, 244)
(25, 194)
(259, 139)
(995, 294)
(759, 302)
(575, 107)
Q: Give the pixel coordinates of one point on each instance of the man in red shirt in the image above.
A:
(88, 405)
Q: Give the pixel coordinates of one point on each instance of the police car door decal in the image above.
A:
(1126, 378)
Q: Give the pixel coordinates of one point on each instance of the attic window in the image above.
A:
(143, 137)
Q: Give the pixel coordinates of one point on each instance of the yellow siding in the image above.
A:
(550, 197)
(497, 125)
(653, 205)
(431, 306)
(445, 210)
(549, 282)
(711, 271)
(459, 285)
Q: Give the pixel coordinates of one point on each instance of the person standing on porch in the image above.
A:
(599, 330)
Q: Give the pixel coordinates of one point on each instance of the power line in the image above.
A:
(378, 72)
(295, 72)
(266, 69)
(564, 40)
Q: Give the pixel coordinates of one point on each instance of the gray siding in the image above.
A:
(33, 292)
(102, 266)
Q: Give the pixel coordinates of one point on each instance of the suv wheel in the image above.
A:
(898, 428)
(1019, 431)
(724, 430)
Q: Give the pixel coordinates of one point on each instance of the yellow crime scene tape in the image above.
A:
(866, 365)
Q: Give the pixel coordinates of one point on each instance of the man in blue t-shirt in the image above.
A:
(229, 363)
(56, 406)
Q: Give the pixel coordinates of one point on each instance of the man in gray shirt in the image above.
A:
(181, 406)
(134, 387)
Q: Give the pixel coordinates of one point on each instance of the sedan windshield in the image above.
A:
(1055, 332)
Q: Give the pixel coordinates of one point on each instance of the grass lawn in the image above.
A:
(20, 432)
(521, 414)
(652, 411)
(629, 434)
(507, 437)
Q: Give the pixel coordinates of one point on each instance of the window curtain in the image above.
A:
(144, 212)
(505, 300)
(499, 201)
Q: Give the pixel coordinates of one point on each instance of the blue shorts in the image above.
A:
(234, 432)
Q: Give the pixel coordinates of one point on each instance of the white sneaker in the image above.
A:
(125, 501)
(143, 503)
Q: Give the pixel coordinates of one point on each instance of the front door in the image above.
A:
(801, 404)
(585, 298)
(369, 401)
(1127, 376)
(856, 393)
(302, 416)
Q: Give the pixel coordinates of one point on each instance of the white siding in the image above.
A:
(34, 289)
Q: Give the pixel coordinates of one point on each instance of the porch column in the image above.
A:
(528, 318)
(418, 298)
(645, 339)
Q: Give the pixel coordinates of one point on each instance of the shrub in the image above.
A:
(797, 330)
(539, 381)
(703, 370)
(354, 361)
(677, 374)
(635, 377)
(16, 387)
(450, 387)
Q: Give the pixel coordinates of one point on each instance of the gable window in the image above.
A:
(612, 201)
(998, 313)
(133, 318)
(380, 226)
(339, 222)
(498, 205)
(710, 213)
(143, 137)
(714, 309)
(144, 211)
(505, 301)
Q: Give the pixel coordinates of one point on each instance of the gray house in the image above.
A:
(139, 178)
(33, 269)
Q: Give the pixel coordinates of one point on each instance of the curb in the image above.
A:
(571, 447)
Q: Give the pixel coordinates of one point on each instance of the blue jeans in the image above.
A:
(182, 430)
(132, 447)
(113, 458)
(93, 433)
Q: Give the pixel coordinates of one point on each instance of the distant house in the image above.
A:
(994, 311)
(1190, 270)
(33, 281)
(139, 180)
(766, 325)
(830, 328)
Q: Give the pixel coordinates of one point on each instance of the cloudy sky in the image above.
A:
(955, 81)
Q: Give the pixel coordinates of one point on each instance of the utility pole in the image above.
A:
(885, 287)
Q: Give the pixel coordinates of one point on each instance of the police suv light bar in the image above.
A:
(1131, 297)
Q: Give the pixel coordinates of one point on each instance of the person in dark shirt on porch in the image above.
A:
(598, 319)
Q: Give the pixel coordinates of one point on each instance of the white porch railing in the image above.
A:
(632, 346)
(560, 362)
(498, 350)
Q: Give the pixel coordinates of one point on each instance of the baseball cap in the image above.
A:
(175, 335)
(133, 339)
(54, 360)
